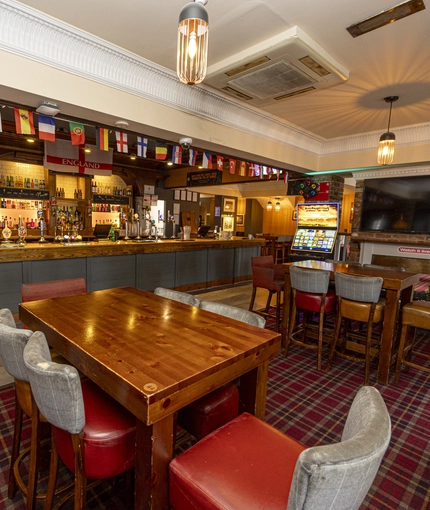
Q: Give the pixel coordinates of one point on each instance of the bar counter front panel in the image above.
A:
(173, 264)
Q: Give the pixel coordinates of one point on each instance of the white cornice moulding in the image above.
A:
(38, 37)
(401, 171)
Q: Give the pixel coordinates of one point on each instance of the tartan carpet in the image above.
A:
(310, 406)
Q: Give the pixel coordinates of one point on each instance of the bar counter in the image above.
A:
(183, 265)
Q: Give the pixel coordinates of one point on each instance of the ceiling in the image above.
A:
(392, 60)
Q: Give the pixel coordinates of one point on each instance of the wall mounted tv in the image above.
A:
(398, 204)
(318, 240)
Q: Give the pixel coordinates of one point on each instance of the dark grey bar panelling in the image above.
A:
(46, 270)
(155, 270)
(111, 272)
(191, 267)
(10, 285)
(220, 264)
(242, 263)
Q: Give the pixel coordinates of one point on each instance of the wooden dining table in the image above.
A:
(155, 356)
(399, 289)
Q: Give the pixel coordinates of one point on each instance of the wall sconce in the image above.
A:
(193, 34)
(87, 149)
(277, 207)
(388, 139)
(269, 206)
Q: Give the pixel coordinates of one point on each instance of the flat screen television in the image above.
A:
(397, 204)
(317, 240)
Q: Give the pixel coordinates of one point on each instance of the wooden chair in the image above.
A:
(358, 299)
(311, 295)
(12, 344)
(92, 434)
(248, 464)
(269, 276)
(414, 315)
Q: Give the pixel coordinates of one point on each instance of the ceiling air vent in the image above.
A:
(283, 66)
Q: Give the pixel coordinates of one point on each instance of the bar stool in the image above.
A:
(269, 276)
(358, 299)
(414, 315)
(310, 293)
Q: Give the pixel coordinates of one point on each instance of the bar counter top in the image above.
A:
(46, 251)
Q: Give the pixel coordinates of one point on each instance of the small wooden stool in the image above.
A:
(416, 315)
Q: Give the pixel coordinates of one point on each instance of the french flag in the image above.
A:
(193, 157)
(207, 160)
(46, 128)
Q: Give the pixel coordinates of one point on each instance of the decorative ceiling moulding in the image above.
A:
(33, 35)
(401, 171)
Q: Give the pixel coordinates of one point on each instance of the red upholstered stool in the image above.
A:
(196, 475)
(210, 412)
(310, 294)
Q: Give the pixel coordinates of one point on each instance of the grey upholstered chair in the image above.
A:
(249, 464)
(311, 295)
(175, 295)
(12, 344)
(233, 312)
(80, 414)
(358, 299)
(221, 405)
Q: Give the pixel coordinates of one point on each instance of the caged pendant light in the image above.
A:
(388, 139)
(193, 33)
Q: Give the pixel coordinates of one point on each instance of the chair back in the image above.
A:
(181, 297)
(56, 388)
(234, 313)
(262, 261)
(52, 289)
(305, 280)
(390, 268)
(12, 344)
(358, 288)
(340, 475)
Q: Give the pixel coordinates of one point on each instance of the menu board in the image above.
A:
(324, 214)
(319, 240)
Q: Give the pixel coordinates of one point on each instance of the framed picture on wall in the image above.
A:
(294, 218)
(227, 223)
(228, 205)
(240, 220)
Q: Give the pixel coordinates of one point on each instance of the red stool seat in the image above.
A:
(267, 459)
(109, 436)
(312, 302)
(210, 412)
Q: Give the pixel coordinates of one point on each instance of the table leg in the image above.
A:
(253, 390)
(387, 337)
(154, 451)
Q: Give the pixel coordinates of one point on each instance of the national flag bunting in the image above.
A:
(192, 157)
(242, 168)
(277, 172)
(286, 175)
(177, 154)
(232, 165)
(251, 170)
(207, 160)
(62, 156)
(257, 171)
(121, 141)
(142, 146)
(77, 133)
(46, 128)
(220, 163)
(160, 152)
(102, 139)
(24, 122)
(269, 172)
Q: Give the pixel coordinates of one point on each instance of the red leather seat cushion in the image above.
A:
(210, 412)
(312, 302)
(109, 435)
(244, 465)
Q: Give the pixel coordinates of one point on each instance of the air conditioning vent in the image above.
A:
(283, 66)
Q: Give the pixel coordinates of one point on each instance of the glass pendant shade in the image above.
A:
(269, 206)
(277, 207)
(386, 148)
(193, 34)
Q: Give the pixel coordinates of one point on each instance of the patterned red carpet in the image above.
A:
(310, 406)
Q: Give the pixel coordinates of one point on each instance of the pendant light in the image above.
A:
(269, 206)
(193, 33)
(388, 139)
(277, 207)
